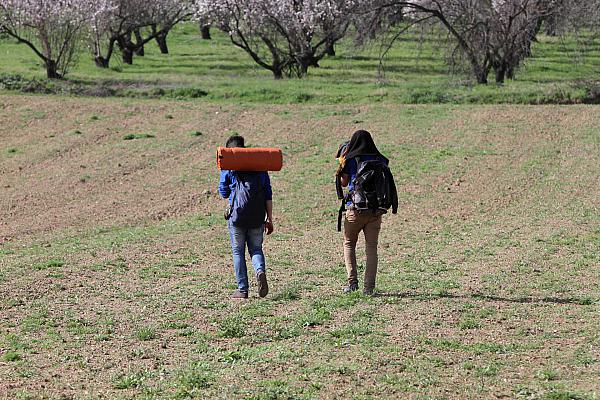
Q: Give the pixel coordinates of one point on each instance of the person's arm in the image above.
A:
(269, 203)
(269, 222)
(344, 179)
(224, 182)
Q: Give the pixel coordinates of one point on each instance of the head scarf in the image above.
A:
(361, 144)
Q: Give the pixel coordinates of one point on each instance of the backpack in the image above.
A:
(373, 189)
(248, 206)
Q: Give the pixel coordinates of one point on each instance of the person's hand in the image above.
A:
(268, 227)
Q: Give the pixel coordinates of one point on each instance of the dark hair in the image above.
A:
(235, 141)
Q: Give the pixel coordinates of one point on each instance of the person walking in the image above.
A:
(371, 192)
(249, 215)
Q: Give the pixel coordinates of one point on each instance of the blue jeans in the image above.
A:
(239, 238)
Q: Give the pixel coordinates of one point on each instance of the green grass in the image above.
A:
(146, 334)
(133, 136)
(219, 72)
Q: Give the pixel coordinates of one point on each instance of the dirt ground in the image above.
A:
(115, 268)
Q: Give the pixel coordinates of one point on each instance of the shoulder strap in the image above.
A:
(340, 214)
(237, 179)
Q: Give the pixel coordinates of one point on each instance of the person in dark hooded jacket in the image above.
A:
(361, 146)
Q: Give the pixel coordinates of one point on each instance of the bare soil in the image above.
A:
(488, 282)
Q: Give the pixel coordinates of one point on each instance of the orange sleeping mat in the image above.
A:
(249, 159)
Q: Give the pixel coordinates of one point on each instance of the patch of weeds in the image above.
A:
(489, 370)
(287, 332)
(103, 337)
(169, 116)
(232, 327)
(231, 357)
(314, 317)
(12, 150)
(85, 178)
(350, 331)
(146, 334)
(288, 293)
(94, 118)
(469, 322)
(547, 375)
(11, 356)
(303, 97)
(584, 357)
(77, 132)
(49, 264)
(133, 136)
(80, 327)
(192, 381)
(128, 381)
(187, 93)
(564, 395)
(195, 133)
(12, 82)
(35, 321)
(258, 309)
(24, 372)
(273, 390)
(140, 353)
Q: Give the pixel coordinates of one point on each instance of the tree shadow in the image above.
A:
(478, 296)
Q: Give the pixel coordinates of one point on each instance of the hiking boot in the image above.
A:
(239, 295)
(263, 286)
(352, 287)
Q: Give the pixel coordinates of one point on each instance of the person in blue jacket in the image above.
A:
(250, 199)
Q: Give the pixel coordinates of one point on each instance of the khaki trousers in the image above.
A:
(370, 224)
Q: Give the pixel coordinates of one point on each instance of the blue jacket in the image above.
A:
(227, 184)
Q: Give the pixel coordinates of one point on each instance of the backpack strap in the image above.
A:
(233, 174)
(340, 214)
(342, 197)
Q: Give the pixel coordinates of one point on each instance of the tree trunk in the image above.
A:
(481, 75)
(510, 72)
(127, 48)
(127, 55)
(330, 50)
(552, 25)
(51, 70)
(161, 39)
(205, 31)
(139, 47)
(101, 62)
(500, 74)
(277, 72)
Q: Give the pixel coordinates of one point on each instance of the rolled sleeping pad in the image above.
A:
(249, 159)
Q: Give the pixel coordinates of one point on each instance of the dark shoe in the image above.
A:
(352, 287)
(239, 295)
(263, 286)
(368, 292)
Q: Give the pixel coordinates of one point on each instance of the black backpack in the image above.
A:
(373, 189)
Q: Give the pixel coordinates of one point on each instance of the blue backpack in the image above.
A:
(248, 208)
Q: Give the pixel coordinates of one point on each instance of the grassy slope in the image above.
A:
(415, 73)
(115, 268)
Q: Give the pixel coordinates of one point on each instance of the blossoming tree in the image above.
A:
(284, 36)
(53, 29)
